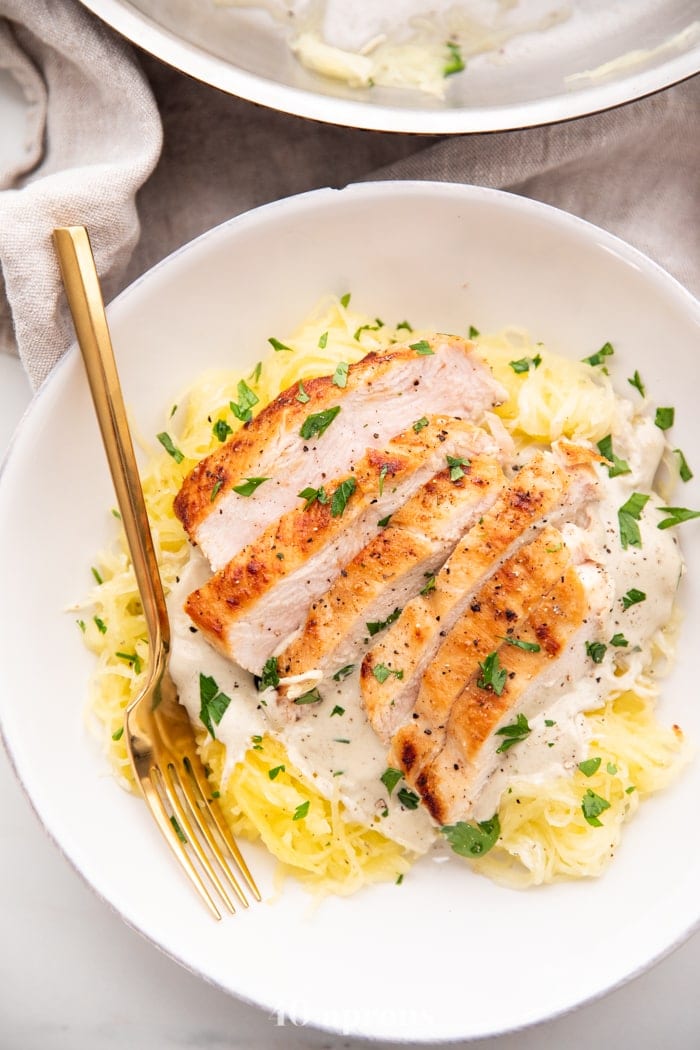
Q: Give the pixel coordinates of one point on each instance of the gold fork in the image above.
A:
(160, 739)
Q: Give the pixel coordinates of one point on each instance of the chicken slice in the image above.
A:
(250, 608)
(393, 567)
(497, 611)
(293, 445)
(450, 784)
(550, 488)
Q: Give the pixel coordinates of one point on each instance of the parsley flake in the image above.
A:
(513, 733)
(636, 382)
(617, 466)
(664, 418)
(596, 651)
(472, 840)
(345, 299)
(676, 515)
(375, 626)
(248, 487)
(493, 677)
(341, 496)
(381, 672)
(118, 733)
(408, 799)
(524, 364)
(269, 676)
(421, 424)
(683, 469)
(277, 346)
(456, 463)
(422, 347)
(592, 806)
(302, 397)
(213, 703)
(474, 333)
(246, 401)
(318, 422)
(323, 341)
(429, 586)
(301, 810)
(311, 495)
(167, 443)
(311, 697)
(633, 597)
(528, 647)
(598, 358)
(619, 640)
(455, 62)
(337, 710)
(343, 672)
(390, 778)
(221, 430)
(340, 376)
(628, 515)
(590, 766)
(274, 773)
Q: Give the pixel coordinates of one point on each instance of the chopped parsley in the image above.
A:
(664, 418)
(133, 659)
(455, 62)
(269, 677)
(96, 574)
(683, 468)
(178, 830)
(345, 299)
(311, 697)
(340, 376)
(167, 443)
(528, 647)
(636, 382)
(343, 672)
(456, 463)
(390, 778)
(256, 373)
(213, 703)
(592, 806)
(246, 401)
(428, 586)
(408, 799)
(619, 640)
(513, 734)
(381, 672)
(301, 810)
(318, 422)
(221, 430)
(596, 651)
(628, 515)
(474, 333)
(337, 710)
(302, 397)
(676, 515)
(524, 364)
(323, 341)
(274, 773)
(422, 347)
(617, 466)
(492, 676)
(248, 487)
(633, 597)
(421, 424)
(341, 496)
(276, 345)
(473, 840)
(612, 769)
(215, 490)
(599, 357)
(100, 624)
(378, 323)
(118, 733)
(590, 766)
(311, 495)
(405, 325)
(383, 522)
(382, 474)
(375, 626)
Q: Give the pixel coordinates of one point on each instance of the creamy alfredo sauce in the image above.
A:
(339, 752)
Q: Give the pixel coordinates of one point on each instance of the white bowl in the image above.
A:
(525, 83)
(447, 954)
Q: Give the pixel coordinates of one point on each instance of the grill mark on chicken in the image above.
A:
(548, 488)
(385, 392)
(393, 567)
(253, 605)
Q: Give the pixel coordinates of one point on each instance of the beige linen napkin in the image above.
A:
(93, 137)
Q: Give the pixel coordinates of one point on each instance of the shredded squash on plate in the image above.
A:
(545, 830)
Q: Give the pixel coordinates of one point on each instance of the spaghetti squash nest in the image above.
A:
(544, 831)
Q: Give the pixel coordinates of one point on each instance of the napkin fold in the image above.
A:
(93, 137)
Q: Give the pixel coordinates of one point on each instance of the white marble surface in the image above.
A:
(74, 977)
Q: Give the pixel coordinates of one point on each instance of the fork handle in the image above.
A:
(84, 296)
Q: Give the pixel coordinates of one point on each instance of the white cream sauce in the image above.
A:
(341, 754)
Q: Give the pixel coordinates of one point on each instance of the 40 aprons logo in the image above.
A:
(350, 1020)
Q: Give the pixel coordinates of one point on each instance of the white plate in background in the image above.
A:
(245, 52)
(448, 954)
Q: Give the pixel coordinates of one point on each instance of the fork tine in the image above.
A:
(172, 788)
(154, 801)
(222, 827)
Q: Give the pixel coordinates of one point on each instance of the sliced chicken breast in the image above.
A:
(294, 444)
(497, 611)
(250, 608)
(395, 566)
(551, 487)
(450, 784)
